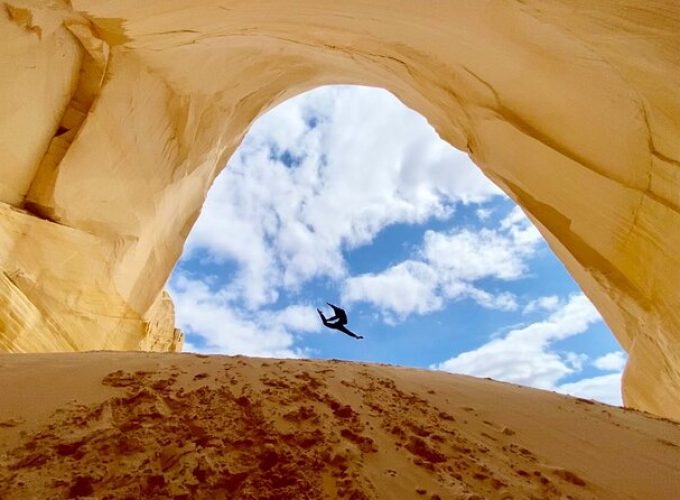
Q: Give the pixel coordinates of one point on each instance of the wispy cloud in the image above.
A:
(605, 388)
(523, 355)
(448, 267)
(208, 315)
(549, 303)
(613, 361)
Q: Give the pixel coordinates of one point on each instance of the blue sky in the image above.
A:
(344, 195)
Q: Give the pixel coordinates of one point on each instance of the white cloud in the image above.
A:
(515, 217)
(297, 318)
(605, 388)
(473, 255)
(209, 315)
(576, 360)
(448, 266)
(403, 289)
(523, 355)
(504, 301)
(361, 161)
(614, 361)
(549, 303)
(483, 213)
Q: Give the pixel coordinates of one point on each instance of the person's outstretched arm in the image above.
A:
(323, 318)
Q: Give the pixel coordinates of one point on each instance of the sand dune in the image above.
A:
(142, 425)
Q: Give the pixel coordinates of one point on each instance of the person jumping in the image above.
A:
(338, 321)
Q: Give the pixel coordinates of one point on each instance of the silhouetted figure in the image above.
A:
(338, 321)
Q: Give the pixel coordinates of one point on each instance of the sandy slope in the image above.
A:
(141, 425)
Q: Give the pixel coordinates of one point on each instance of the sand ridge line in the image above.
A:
(219, 427)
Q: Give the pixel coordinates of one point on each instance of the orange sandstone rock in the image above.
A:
(115, 117)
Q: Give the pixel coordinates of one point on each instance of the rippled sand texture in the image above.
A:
(135, 425)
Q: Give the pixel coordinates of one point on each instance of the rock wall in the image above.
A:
(116, 116)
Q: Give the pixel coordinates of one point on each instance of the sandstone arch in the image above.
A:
(115, 118)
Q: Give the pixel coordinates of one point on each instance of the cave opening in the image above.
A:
(344, 194)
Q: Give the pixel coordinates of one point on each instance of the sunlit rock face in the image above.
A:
(115, 117)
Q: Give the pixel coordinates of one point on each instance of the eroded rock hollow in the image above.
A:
(116, 116)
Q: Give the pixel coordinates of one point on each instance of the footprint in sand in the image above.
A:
(365, 444)
(667, 443)
(484, 434)
(568, 476)
(12, 422)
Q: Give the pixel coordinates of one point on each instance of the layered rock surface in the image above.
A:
(115, 117)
